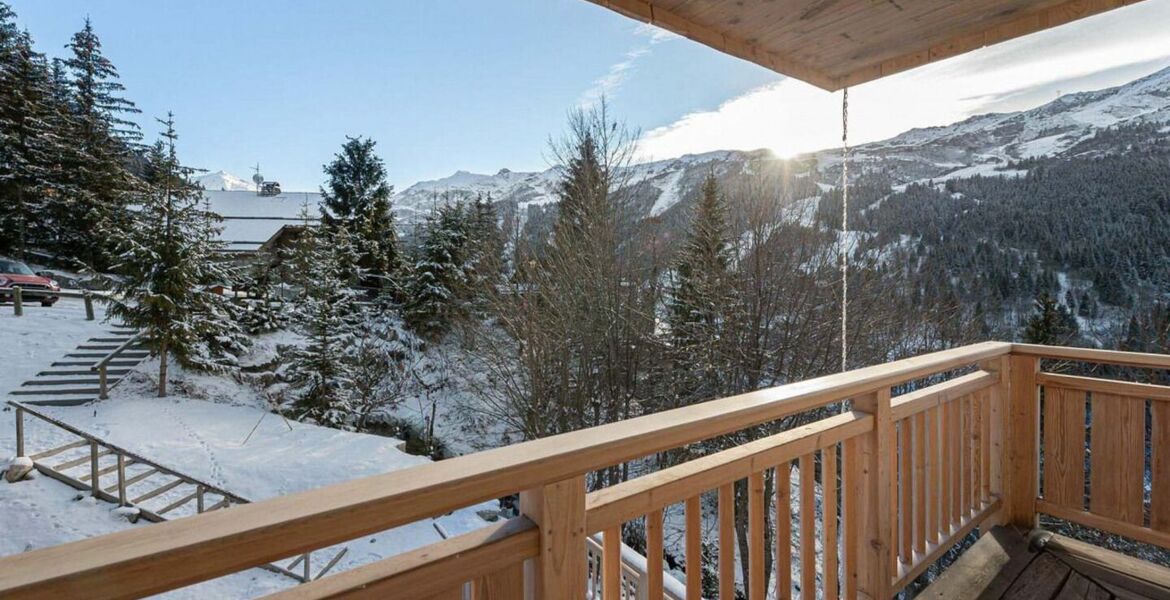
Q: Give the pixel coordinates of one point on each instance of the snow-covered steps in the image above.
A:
(81, 384)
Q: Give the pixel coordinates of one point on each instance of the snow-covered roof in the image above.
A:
(250, 220)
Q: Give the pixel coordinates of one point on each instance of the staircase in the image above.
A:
(76, 378)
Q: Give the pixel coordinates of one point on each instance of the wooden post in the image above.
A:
(88, 297)
(1000, 419)
(873, 570)
(558, 509)
(1021, 468)
(308, 575)
(93, 469)
(17, 301)
(199, 499)
(103, 390)
(19, 431)
(121, 479)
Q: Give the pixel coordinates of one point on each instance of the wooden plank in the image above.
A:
(967, 502)
(1111, 357)
(1022, 472)
(829, 522)
(427, 571)
(727, 542)
(631, 499)
(1064, 447)
(135, 479)
(69, 464)
(1130, 567)
(920, 506)
(934, 473)
(59, 449)
(985, 570)
(874, 566)
(694, 548)
(1076, 587)
(1107, 386)
(936, 551)
(654, 552)
(783, 531)
(756, 525)
(808, 523)
(958, 448)
(505, 584)
(156, 491)
(1122, 528)
(611, 564)
(177, 503)
(1160, 467)
(910, 404)
(906, 491)
(1044, 577)
(985, 455)
(852, 499)
(106, 470)
(946, 465)
(1118, 458)
(558, 509)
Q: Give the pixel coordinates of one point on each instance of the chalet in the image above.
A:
(991, 438)
(252, 222)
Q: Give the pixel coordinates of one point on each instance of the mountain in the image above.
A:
(981, 145)
(225, 182)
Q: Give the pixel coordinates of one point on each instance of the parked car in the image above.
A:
(14, 273)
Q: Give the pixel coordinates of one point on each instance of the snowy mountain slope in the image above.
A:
(225, 182)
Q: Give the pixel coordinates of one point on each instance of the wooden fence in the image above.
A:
(930, 449)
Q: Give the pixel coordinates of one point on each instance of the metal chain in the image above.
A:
(844, 228)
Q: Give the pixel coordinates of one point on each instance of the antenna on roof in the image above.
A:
(257, 178)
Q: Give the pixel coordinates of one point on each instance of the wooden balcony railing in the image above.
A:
(930, 449)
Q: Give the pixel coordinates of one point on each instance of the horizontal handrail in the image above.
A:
(1092, 355)
(115, 352)
(1105, 386)
(912, 403)
(214, 544)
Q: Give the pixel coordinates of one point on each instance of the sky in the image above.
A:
(447, 85)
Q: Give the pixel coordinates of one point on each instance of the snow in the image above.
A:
(249, 220)
(200, 431)
(221, 180)
(669, 190)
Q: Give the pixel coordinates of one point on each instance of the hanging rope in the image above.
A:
(844, 229)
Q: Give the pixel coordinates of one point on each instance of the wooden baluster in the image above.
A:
(727, 542)
(654, 555)
(1022, 444)
(829, 525)
(756, 583)
(121, 480)
(934, 472)
(852, 500)
(997, 429)
(946, 465)
(611, 564)
(1064, 447)
(558, 509)
(784, 531)
(968, 445)
(808, 523)
(906, 484)
(94, 484)
(694, 543)
(920, 506)
(1118, 458)
(505, 584)
(976, 433)
(1160, 466)
(873, 569)
(985, 449)
(958, 447)
(19, 431)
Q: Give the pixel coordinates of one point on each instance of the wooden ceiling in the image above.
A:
(838, 43)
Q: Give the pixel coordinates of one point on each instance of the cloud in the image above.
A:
(790, 116)
(607, 85)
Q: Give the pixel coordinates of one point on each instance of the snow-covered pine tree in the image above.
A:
(357, 195)
(28, 144)
(1052, 323)
(320, 372)
(700, 302)
(105, 144)
(166, 262)
(440, 273)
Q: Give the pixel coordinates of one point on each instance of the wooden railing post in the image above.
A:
(872, 507)
(558, 509)
(121, 480)
(1021, 470)
(93, 469)
(88, 297)
(17, 301)
(103, 389)
(19, 431)
(1000, 419)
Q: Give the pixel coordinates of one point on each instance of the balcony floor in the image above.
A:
(1005, 565)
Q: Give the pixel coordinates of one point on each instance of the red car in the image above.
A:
(33, 287)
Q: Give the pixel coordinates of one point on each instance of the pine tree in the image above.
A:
(357, 195)
(440, 274)
(166, 265)
(700, 301)
(1051, 323)
(105, 143)
(28, 144)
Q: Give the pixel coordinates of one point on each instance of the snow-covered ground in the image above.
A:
(201, 431)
